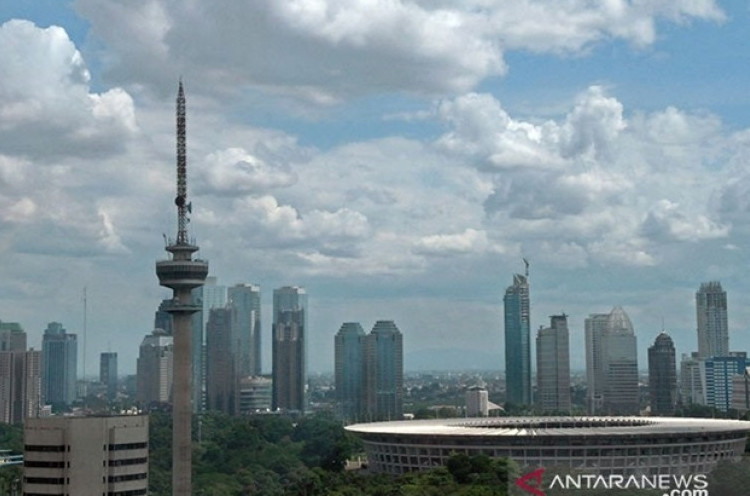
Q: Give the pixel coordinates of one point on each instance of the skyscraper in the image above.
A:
(182, 274)
(154, 369)
(517, 341)
(384, 371)
(662, 375)
(612, 364)
(595, 326)
(289, 331)
(108, 373)
(60, 365)
(553, 366)
(222, 382)
(245, 299)
(349, 371)
(711, 314)
(210, 295)
(20, 377)
(718, 373)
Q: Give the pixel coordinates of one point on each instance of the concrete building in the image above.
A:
(477, 402)
(691, 384)
(349, 371)
(384, 371)
(711, 316)
(611, 364)
(518, 341)
(662, 376)
(60, 365)
(288, 349)
(108, 373)
(622, 446)
(154, 369)
(222, 381)
(20, 385)
(12, 337)
(255, 394)
(245, 299)
(553, 366)
(86, 456)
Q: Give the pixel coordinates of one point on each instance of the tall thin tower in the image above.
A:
(181, 274)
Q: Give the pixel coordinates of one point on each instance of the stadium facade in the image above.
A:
(594, 445)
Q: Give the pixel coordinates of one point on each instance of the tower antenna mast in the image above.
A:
(182, 274)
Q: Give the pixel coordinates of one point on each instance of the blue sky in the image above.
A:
(397, 159)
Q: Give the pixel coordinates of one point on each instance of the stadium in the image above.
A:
(598, 445)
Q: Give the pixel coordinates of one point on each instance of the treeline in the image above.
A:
(271, 455)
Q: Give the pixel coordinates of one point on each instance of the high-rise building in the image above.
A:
(518, 341)
(553, 366)
(691, 384)
(60, 365)
(154, 369)
(711, 314)
(12, 337)
(210, 295)
(384, 371)
(717, 374)
(611, 364)
(595, 326)
(86, 456)
(349, 371)
(222, 382)
(182, 275)
(108, 373)
(20, 385)
(288, 351)
(245, 299)
(662, 376)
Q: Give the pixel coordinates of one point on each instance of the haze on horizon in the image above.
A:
(397, 159)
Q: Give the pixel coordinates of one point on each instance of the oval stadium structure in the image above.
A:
(601, 445)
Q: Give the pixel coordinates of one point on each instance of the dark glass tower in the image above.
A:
(662, 375)
(288, 349)
(517, 342)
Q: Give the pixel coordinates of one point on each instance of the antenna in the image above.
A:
(85, 318)
(181, 199)
(526, 263)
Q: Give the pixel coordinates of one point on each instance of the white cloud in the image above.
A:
(236, 171)
(471, 240)
(328, 50)
(46, 106)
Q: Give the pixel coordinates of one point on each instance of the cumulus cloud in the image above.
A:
(325, 51)
(666, 221)
(471, 240)
(236, 171)
(46, 106)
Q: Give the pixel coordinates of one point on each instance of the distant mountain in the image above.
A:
(453, 359)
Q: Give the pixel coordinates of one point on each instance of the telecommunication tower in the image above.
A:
(182, 274)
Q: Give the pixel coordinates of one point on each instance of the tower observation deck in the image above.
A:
(182, 274)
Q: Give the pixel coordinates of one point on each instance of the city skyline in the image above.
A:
(609, 155)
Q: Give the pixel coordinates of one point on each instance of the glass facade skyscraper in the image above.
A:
(711, 316)
(245, 299)
(517, 342)
(553, 366)
(349, 351)
(288, 349)
(662, 375)
(384, 381)
(60, 365)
